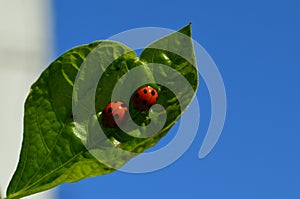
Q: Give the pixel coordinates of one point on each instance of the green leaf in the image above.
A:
(60, 147)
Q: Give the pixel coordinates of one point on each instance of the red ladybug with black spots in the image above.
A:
(115, 112)
(144, 98)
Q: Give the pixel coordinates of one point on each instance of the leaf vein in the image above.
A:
(67, 77)
(53, 171)
(46, 158)
(40, 132)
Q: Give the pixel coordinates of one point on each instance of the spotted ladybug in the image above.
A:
(144, 98)
(115, 112)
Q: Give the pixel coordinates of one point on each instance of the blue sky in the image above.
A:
(255, 45)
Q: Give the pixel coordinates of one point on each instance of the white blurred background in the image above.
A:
(25, 48)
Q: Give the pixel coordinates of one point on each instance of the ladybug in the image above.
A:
(115, 112)
(144, 98)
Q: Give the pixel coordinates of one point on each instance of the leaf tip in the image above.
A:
(187, 30)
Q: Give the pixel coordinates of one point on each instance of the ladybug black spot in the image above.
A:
(145, 91)
(144, 101)
(137, 95)
(109, 110)
(152, 93)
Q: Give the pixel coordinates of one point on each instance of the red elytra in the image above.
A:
(115, 112)
(144, 98)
